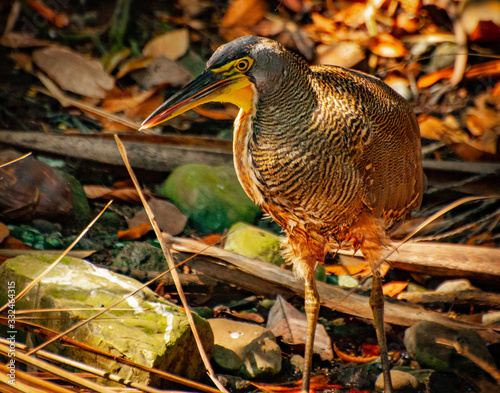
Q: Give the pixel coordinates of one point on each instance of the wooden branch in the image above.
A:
(151, 152)
(469, 296)
(444, 259)
(331, 296)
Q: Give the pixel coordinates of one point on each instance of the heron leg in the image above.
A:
(377, 306)
(311, 306)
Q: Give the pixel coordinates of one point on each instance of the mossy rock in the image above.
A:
(144, 328)
(211, 197)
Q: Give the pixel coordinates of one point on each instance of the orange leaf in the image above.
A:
(317, 382)
(370, 350)
(129, 99)
(349, 269)
(134, 64)
(386, 45)
(244, 13)
(212, 240)
(172, 44)
(490, 68)
(394, 288)
(134, 233)
(353, 359)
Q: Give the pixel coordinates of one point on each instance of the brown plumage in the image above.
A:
(332, 155)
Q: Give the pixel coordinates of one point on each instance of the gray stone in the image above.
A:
(402, 382)
(142, 256)
(420, 341)
(152, 332)
(244, 348)
(211, 197)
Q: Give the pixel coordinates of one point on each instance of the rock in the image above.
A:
(347, 281)
(455, 285)
(246, 349)
(355, 377)
(211, 197)
(153, 333)
(402, 382)
(431, 381)
(80, 212)
(142, 256)
(491, 318)
(420, 341)
(254, 242)
(297, 362)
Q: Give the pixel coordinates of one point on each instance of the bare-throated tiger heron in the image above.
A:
(332, 155)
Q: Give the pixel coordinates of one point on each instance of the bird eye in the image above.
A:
(242, 65)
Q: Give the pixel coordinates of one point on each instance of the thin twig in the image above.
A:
(171, 264)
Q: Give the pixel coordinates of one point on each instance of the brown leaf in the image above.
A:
(135, 232)
(289, 323)
(240, 16)
(73, 72)
(11, 243)
(167, 216)
(18, 40)
(128, 194)
(344, 54)
(4, 232)
(134, 64)
(386, 45)
(127, 99)
(394, 288)
(345, 357)
(160, 71)
(172, 45)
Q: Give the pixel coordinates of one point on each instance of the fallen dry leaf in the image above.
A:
(352, 15)
(172, 45)
(126, 99)
(167, 216)
(162, 71)
(490, 68)
(344, 54)
(349, 269)
(4, 232)
(394, 288)
(73, 72)
(240, 16)
(316, 382)
(130, 65)
(18, 40)
(128, 194)
(370, 350)
(386, 45)
(135, 232)
(345, 357)
(287, 322)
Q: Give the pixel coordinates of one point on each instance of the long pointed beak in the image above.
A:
(208, 86)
